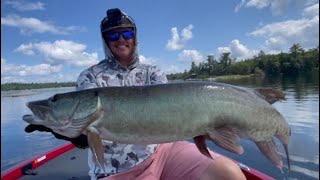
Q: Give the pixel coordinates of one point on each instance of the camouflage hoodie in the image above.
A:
(109, 72)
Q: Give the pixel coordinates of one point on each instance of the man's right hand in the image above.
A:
(80, 141)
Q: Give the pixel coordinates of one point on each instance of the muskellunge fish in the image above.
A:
(170, 112)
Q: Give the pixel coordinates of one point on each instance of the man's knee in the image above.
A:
(222, 168)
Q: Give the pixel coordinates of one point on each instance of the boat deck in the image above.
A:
(71, 165)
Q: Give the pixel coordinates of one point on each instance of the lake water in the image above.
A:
(301, 110)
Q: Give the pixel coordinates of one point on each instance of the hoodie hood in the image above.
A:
(107, 24)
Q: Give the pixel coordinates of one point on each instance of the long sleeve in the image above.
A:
(157, 76)
(86, 80)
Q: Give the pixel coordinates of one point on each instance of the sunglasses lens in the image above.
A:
(116, 35)
(127, 34)
(113, 36)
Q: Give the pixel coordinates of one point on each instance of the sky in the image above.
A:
(54, 41)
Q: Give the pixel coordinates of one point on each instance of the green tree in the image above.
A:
(296, 50)
(261, 59)
(225, 60)
(296, 60)
(194, 69)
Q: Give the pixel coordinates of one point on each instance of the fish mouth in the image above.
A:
(39, 109)
(28, 118)
(32, 119)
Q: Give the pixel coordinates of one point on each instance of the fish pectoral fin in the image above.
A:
(226, 138)
(269, 149)
(201, 145)
(270, 95)
(95, 144)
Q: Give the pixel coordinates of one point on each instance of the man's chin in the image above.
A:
(123, 55)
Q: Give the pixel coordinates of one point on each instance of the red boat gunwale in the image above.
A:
(22, 169)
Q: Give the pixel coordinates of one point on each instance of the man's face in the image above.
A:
(121, 43)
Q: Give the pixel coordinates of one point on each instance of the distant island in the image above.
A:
(23, 86)
(297, 60)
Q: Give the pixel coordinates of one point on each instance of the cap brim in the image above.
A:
(116, 27)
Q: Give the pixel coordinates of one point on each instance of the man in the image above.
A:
(121, 67)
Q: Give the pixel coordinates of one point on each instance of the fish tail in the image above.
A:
(269, 149)
(287, 154)
(284, 139)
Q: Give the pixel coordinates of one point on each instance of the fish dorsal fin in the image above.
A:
(226, 138)
(201, 145)
(271, 95)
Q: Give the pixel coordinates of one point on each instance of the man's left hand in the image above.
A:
(80, 141)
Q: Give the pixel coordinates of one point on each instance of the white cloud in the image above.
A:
(279, 36)
(237, 8)
(25, 6)
(187, 33)
(145, 60)
(223, 50)
(10, 79)
(166, 68)
(237, 50)
(61, 51)
(40, 69)
(277, 6)
(276, 42)
(26, 49)
(311, 11)
(174, 42)
(303, 31)
(39, 73)
(259, 3)
(191, 56)
(177, 43)
(60, 77)
(32, 25)
(8, 70)
(172, 69)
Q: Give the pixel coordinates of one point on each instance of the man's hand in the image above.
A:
(80, 141)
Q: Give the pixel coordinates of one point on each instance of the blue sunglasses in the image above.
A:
(114, 36)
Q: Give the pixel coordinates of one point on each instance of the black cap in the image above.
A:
(115, 19)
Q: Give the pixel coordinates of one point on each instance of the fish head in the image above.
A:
(66, 113)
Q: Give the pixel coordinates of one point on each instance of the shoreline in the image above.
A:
(228, 77)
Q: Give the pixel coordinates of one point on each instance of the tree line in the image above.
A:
(22, 86)
(295, 61)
